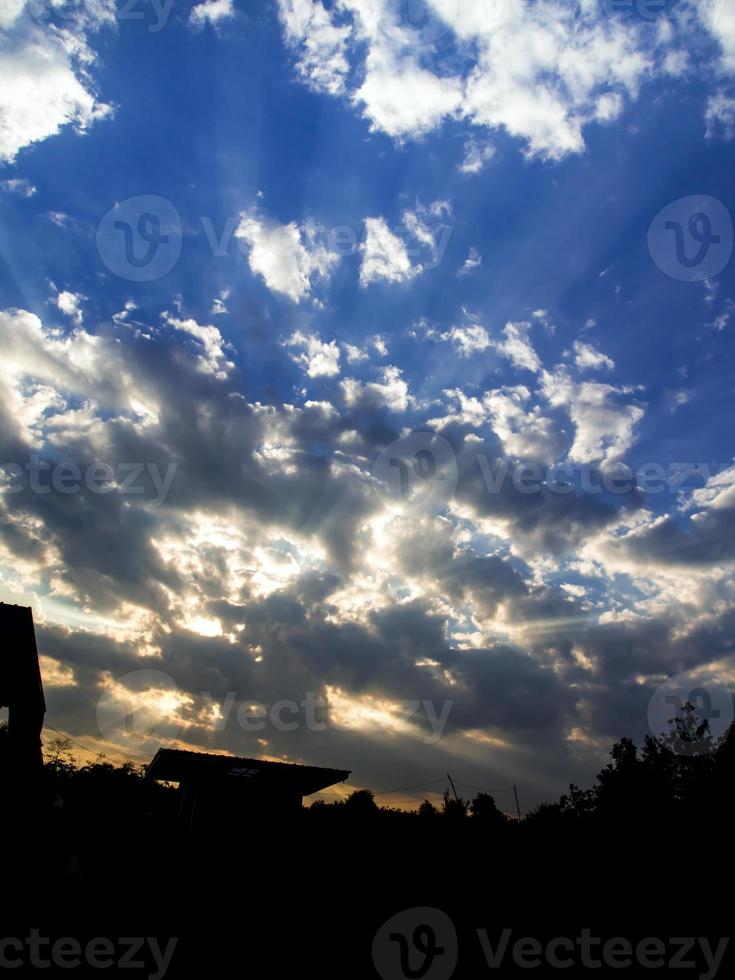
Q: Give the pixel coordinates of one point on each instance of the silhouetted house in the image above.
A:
(21, 689)
(224, 791)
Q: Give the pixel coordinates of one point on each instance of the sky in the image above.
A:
(366, 378)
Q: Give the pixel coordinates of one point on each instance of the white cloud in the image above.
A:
(540, 71)
(720, 115)
(318, 359)
(322, 45)
(543, 317)
(402, 99)
(718, 493)
(608, 106)
(718, 16)
(10, 10)
(588, 357)
(524, 432)
(18, 185)
(722, 320)
(477, 153)
(219, 303)
(604, 419)
(388, 256)
(469, 411)
(384, 255)
(379, 345)
(44, 79)
(70, 304)
(471, 338)
(471, 263)
(62, 220)
(518, 348)
(212, 360)
(288, 257)
(711, 287)
(391, 392)
(122, 315)
(354, 354)
(87, 366)
(546, 71)
(211, 12)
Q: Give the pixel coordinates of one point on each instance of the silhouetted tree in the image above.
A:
(361, 803)
(427, 811)
(578, 807)
(454, 809)
(485, 810)
(689, 734)
(546, 818)
(58, 754)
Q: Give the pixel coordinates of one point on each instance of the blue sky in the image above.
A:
(405, 245)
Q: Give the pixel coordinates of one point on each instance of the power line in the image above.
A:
(406, 789)
(433, 782)
(73, 740)
(502, 789)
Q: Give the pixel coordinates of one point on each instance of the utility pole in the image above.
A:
(518, 806)
(453, 789)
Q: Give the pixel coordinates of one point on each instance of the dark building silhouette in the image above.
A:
(21, 689)
(224, 791)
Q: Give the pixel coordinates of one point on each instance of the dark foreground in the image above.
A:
(629, 878)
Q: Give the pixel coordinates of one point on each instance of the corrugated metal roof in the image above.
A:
(180, 765)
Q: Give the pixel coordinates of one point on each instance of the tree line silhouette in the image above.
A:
(682, 780)
(638, 854)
